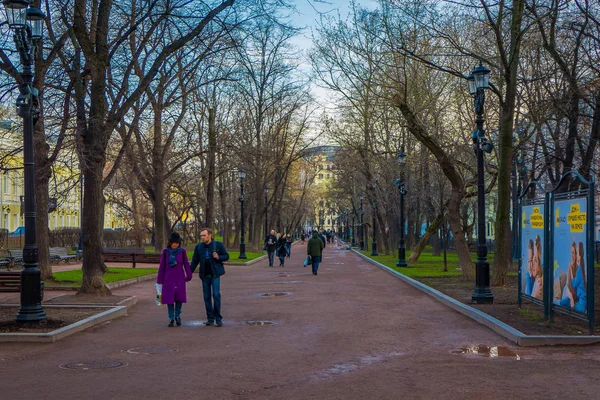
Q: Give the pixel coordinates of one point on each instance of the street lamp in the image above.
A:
(374, 205)
(26, 22)
(362, 226)
(266, 209)
(242, 175)
(401, 158)
(478, 82)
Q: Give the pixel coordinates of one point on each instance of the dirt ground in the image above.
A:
(56, 318)
(529, 319)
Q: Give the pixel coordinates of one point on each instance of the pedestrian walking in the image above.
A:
(270, 245)
(315, 250)
(281, 250)
(173, 273)
(288, 245)
(322, 236)
(210, 255)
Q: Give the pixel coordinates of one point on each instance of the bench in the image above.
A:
(11, 282)
(60, 254)
(132, 255)
(15, 257)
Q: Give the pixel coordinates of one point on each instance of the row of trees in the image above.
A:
(162, 102)
(399, 77)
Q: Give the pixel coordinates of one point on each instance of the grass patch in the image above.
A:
(428, 265)
(532, 316)
(73, 278)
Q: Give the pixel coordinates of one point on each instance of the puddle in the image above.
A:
(195, 324)
(274, 294)
(150, 350)
(488, 351)
(95, 364)
(259, 323)
(355, 365)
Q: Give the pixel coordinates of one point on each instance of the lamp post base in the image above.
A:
(242, 255)
(362, 246)
(374, 251)
(31, 296)
(401, 263)
(482, 293)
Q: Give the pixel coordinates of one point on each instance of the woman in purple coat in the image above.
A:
(173, 273)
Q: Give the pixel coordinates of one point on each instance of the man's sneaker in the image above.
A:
(210, 323)
(219, 323)
(178, 321)
(171, 322)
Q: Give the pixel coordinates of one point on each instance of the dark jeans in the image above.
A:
(315, 262)
(271, 257)
(174, 310)
(213, 284)
(281, 255)
(288, 247)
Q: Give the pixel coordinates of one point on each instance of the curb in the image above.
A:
(131, 281)
(494, 324)
(247, 263)
(112, 312)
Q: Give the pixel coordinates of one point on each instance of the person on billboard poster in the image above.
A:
(574, 290)
(537, 289)
(529, 276)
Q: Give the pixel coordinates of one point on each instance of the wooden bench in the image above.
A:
(11, 282)
(60, 254)
(132, 255)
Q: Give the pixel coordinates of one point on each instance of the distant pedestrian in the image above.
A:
(210, 255)
(281, 250)
(288, 245)
(174, 271)
(270, 245)
(315, 250)
(322, 236)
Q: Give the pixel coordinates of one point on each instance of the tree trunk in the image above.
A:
(464, 257)
(42, 177)
(503, 256)
(210, 184)
(93, 223)
(431, 230)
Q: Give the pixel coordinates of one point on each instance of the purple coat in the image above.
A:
(174, 278)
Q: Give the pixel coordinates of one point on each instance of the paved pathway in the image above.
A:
(352, 332)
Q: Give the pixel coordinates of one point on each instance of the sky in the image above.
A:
(307, 17)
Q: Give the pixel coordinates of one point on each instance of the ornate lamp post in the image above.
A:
(374, 205)
(478, 83)
(266, 210)
(401, 188)
(362, 226)
(27, 23)
(242, 174)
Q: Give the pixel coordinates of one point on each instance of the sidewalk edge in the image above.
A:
(494, 324)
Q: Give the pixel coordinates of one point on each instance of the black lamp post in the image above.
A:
(266, 209)
(353, 244)
(27, 23)
(401, 188)
(478, 83)
(362, 226)
(242, 174)
(374, 205)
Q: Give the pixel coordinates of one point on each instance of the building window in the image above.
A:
(320, 167)
(320, 176)
(328, 175)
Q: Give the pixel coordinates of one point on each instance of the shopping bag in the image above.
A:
(158, 287)
(307, 261)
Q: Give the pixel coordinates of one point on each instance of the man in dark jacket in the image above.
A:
(322, 236)
(270, 246)
(314, 249)
(210, 255)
